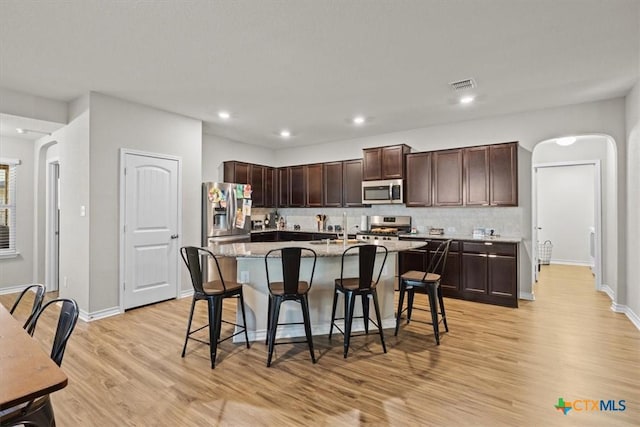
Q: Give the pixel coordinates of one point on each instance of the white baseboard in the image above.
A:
(527, 296)
(607, 290)
(619, 308)
(185, 294)
(100, 314)
(571, 262)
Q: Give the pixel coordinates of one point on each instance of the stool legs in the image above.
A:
(376, 306)
(434, 294)
(186, 338)
(273, 325)
(433, 305)
(215, 323)
(244, 318)
(274, 313)
(365, 313)
(304, 304)
(349, 306)
(442, 312)
(333, 311)
(403, 288)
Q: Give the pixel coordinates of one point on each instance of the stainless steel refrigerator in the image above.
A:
(226, 213)
(226, 218)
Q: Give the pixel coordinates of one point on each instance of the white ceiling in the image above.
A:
(311, 65)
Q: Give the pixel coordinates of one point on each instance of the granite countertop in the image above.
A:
(322, 249)
(466, 237)
(302, 230)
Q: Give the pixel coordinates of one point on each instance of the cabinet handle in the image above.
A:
(488, 243)
(492, 255)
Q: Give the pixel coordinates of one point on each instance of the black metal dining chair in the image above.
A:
(39, 412)
(426, 282)
(39, 291)
(363, 286)
(290, 288)
(214, 292)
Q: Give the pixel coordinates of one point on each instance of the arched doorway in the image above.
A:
(584, 165)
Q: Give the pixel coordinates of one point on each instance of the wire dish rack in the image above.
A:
(544, 252)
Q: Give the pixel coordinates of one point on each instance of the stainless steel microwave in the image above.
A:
(388, 191)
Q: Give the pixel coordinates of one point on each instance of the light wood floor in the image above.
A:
(497, 366)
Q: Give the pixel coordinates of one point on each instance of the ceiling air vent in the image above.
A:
(463, 84)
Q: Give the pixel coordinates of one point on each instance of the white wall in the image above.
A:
(75, 239)
(216, 150)
(529, 128)
(119, 124)
(18, 271)
(566, 198)
(632, 297)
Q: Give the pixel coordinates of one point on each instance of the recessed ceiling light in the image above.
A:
(358, 120)
(224, 115)
(466, 99)
(285, 133)
(20, 130)
(568, 140)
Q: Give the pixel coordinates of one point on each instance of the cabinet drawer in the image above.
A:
(434, 243)
(490, 248)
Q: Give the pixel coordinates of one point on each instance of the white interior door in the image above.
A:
(151, 192)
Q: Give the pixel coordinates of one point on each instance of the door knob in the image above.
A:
(174, 236)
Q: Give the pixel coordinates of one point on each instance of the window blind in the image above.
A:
(8, 206)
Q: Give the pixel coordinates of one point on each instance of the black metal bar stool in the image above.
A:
(291, 288)
(363, 286)
(214, 292)
(426, 282)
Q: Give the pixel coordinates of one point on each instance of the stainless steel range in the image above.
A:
(385, 228)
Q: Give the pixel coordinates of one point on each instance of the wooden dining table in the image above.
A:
(26, 370)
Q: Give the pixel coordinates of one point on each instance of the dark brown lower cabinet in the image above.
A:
(490, 272)
(477, 271)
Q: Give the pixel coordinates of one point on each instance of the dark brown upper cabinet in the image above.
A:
(297, 187)
(270, 187)
(261, 178)
(372, 168)
(476, 167)
(418, 189)
(352, 183)
(447, 177)
(314, 185)
(384, 162)
(503, 174)
(333, 184)
(257, 185)
(491, 175)
(283, 188)
(237, 172)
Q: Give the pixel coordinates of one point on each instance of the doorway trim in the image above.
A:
(52, 241)
(597, 215)
(122, 212)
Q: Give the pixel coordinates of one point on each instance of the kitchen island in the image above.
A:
(251, 272)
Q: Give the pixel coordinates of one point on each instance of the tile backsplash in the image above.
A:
(507, 221)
